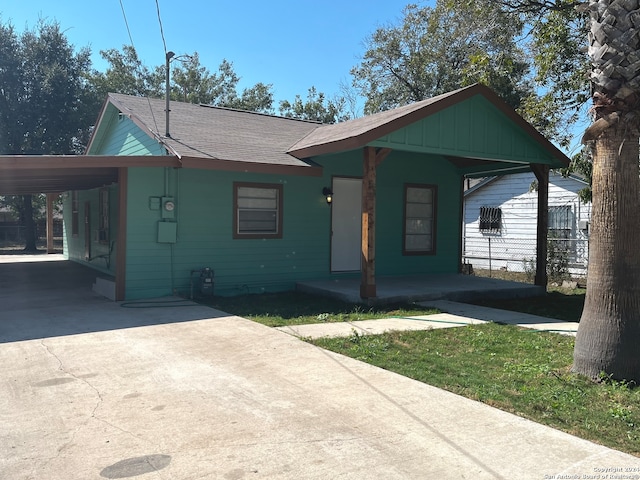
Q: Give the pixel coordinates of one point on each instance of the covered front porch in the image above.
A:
(467, 133)
(413, 288)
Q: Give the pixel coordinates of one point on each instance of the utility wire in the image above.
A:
(126, 23)
(161, 29)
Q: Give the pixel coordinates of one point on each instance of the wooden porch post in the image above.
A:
(121, 245)
(542, 174)
(372, 158)
(368, 281)
(50, 199)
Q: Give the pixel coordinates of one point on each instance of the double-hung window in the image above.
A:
(419, 219)
(257, 210)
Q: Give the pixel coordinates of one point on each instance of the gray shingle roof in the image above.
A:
(206, 132)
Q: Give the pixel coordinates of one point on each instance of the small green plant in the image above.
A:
(367, 347)
(529, 268)
(557, 259)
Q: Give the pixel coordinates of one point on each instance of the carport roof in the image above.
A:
(24, 174)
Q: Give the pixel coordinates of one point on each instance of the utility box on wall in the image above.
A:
(167, 232)
(168, 207)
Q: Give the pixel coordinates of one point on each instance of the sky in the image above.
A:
(291, 44)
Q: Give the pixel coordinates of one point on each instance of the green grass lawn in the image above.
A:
(517, 370)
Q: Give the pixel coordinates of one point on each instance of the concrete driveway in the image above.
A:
(92, 389)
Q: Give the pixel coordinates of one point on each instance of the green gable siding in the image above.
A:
(473, 128)
(119, 135)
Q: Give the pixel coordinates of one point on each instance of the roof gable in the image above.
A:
(473, 128)
(472, 122)
(117, 134)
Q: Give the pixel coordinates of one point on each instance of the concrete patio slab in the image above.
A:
(414, 288)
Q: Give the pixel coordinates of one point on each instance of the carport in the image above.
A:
(54, 174)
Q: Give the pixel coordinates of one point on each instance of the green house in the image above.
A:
(265, 202)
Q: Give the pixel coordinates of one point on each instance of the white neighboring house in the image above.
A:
(500, 221)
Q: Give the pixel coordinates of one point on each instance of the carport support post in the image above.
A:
(50, 199)
(542, 174)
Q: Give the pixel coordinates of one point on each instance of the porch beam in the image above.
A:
(50, 199)
(372, 158)
(542, 174)
(121, 242)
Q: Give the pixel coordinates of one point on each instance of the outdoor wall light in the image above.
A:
(328, 195)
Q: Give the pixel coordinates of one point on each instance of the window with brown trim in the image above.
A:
(257, 210)
(75, 214)
(419, 236)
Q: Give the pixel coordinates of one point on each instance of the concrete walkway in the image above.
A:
(177, 391)
(457, 314)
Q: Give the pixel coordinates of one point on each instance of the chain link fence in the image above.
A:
(11, 234)
(565, 256)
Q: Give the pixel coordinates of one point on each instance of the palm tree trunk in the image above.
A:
(608, 338)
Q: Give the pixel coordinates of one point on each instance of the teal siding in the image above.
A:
(204, 216)
(474, 128)
(398, 169)
(204, 224)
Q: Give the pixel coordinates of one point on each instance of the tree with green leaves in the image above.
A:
(46, 103)
(317, 108)
(127, 74)
(193, 83)
(500, 43)
(436, 50)
(190, 81)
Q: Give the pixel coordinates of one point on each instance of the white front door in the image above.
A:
(346, 224)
